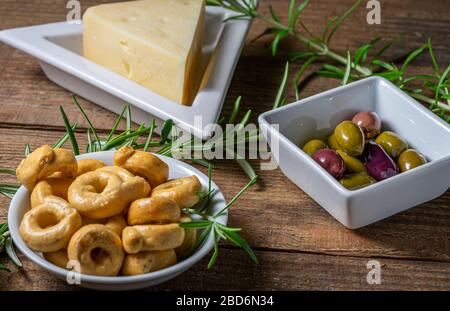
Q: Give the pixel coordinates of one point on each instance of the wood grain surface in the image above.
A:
(298, 244)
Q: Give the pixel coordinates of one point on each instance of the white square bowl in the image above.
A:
(58, 47)
(316, 116)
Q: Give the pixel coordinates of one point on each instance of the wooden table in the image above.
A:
(298, 244)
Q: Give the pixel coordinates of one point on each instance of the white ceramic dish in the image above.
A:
(21, 203)
(58, 47)
(316, 116)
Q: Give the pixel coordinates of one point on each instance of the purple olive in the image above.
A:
(331, 161)
(379, 164)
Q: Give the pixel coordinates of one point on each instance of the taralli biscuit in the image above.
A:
(184, 191)
(58, 258)
(89, 165)
(148, 262)
(143, 238)
(49, 226)
(97, 249)
(190, 238)
(44, 162)
(89, 221)
(142, 163)
(153, 210)
(106, 192)
(50, 186)
(116, 223)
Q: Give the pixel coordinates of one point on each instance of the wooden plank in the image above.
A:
(276, 271)
(276, 215)
(29, 98)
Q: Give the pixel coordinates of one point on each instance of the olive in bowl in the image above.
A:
(392, 143)
(331, 161)
(350, 138)
(410, 159)
(369, 122)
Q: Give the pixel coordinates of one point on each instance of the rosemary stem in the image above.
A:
(322, 49)
(430, 101)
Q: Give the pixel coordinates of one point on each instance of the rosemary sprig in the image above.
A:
(6, 244)
(434, 90)
(211, 224)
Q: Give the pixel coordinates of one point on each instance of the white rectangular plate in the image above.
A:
(58, 47)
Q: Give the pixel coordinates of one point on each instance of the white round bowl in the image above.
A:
(20, 204)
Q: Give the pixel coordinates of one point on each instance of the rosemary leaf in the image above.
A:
(150, 135)
(342, 19)
(9, 248)
(383, 64)
(4, 268)
(8, 190)
(7, 170)
(3, 228)
(282, 88)
(70, 132)
(247, 168)
(234, 237)
(203, 162)
(63, 139)
(213, 259)
(196, 224)
(274, 14)
(441, 82)
(276, 41)
(387, 47)
(235, 111)
(165, 131)
(433, 58)
(300, 73)
(251, 183)
(414, 54)
(116, 124)
(26, 149)
(128, 119)
(94, 131)
(347, 69)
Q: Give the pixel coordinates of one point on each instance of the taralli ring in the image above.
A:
(190, 237)
(148, 262)
(58, 258)
(49, 226)
(116, 223)
(184, 191)
(50, 186)
(142, 164)
(97, 249)
(45, 161)
(89, 165)
(106, 192)
(143, 238)
(153, 210)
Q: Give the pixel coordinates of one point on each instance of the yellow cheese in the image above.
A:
(156, 43)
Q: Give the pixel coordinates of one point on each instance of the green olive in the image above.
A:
(352, 164)
(313, 145)
(357, 181)
(350, 138)
(332, 142)
(410, 159)
(392, 143)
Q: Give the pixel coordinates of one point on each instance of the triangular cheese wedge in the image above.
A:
(156, 43)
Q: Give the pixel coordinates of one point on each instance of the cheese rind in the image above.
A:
(156, 43)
